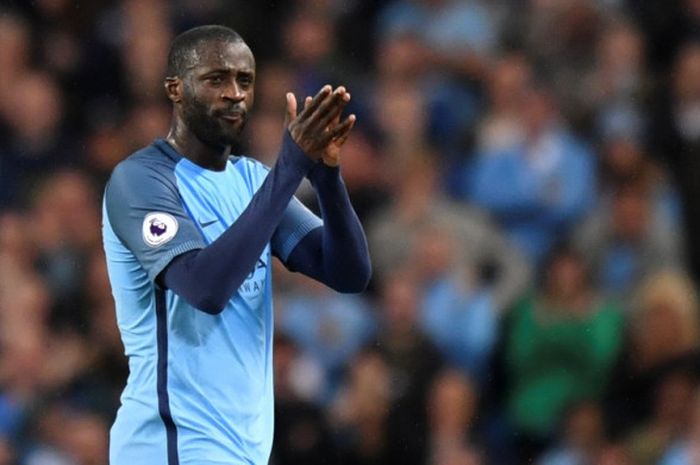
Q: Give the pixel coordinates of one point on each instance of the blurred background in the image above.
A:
(527, 171)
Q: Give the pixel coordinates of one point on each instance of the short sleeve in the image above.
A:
(145, 212)
(296, 223)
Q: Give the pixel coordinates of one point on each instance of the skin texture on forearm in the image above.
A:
(208, 277)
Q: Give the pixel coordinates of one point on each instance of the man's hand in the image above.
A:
(318, 129)
(331, 155)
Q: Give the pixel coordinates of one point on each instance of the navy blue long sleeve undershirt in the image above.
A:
(337, 254)
(208, 277)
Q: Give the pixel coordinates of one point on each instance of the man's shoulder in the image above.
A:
(147, 161)
(147, 170)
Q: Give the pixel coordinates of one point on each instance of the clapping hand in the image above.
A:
(318, 129)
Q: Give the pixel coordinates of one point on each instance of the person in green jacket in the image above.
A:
(561, 343)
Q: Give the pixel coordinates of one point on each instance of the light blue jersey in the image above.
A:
(200, 387)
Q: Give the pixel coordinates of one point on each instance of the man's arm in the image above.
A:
(207, 278)
(335, 254)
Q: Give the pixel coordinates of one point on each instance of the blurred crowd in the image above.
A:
(527, 171)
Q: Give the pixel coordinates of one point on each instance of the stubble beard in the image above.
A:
(208, 128)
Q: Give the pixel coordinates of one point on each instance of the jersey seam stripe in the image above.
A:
(162, 379)
(297, 235)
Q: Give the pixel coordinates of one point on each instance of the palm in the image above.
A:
(331, 156)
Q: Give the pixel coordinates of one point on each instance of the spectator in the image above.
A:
(577, 25)
(670, 418)
(301, 431)
(617, 79)
(15, 42)
(536, 190)
(626, 242)
(413, 362)
(452, 409)
(479, 250)
(582, 437)
(676, 138)
(561, 345)
(361, 410)
(38, 140)
(501, 127)
(457, 35)
(626, 161)
(329, 328)
(664, 334)
(65, 228)
(687, 450)
(309, 43)
(460, 318)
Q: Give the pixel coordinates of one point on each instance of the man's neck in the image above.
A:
(192, 148)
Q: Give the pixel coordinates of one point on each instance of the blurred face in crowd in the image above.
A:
(400, 301)
(86, 438)
(565, 276)
(452, 403)
(35, 108)
(660, 334)
(147, 121)
(693, 7)
(433, 252)
(216, 92)
(14, 43)
(509, 83)
(686, 92)
(623, 157)
(672, 400)
(265, 136)
(584, 426)
(630, 214)
(400, 56)
(65, 211)
(614, 454)
(621, 49)
(309, 38)
(686, 82)
(537, 111)
(369, 388)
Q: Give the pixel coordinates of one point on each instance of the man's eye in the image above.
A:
(245, 80)
(215, 79)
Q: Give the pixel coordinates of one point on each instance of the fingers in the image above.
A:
(291, 109)
(341, 132)
(334, 122)
(330, 108)
(316, 101)
(319, 122)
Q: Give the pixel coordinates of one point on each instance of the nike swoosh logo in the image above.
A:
(204, 224)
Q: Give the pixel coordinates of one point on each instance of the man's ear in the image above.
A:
(173, 89)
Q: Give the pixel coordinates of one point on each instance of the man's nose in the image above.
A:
(233, 92)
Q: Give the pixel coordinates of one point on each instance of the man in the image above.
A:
(189, 232)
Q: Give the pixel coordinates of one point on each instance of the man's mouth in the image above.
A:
(234, 116)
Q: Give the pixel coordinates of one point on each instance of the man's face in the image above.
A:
(218, 92)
